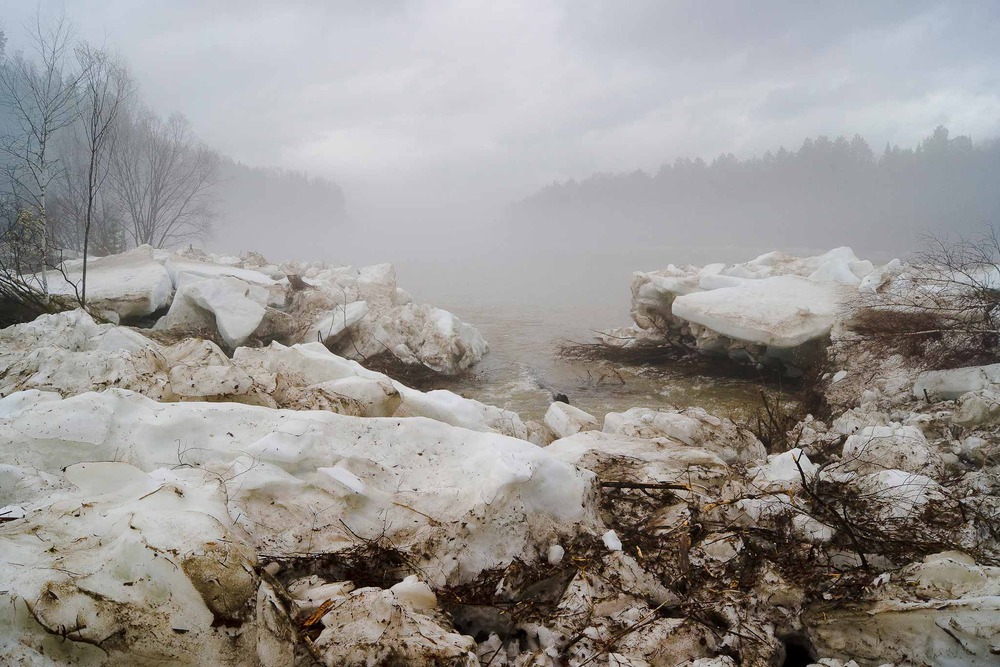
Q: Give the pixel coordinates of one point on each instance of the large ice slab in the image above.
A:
(232, 306)
(617, 457)
(131, 284)
(692, 426)
(305, 481)
(774, 308)
(781, 312)
(177, 266)
(950, 384)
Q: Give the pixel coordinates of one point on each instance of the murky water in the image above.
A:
(522, 370)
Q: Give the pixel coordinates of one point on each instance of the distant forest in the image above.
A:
(269, 210)
(829, 192)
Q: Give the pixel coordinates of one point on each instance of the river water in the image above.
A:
(524, 310)
(522, 370)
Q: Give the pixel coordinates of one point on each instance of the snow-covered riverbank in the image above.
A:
(247, 300)
(164, 501)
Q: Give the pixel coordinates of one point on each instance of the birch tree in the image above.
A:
(106, 89)
(39, 89)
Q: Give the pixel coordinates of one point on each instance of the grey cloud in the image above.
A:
(482, 102)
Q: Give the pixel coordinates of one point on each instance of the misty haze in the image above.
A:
(501, 334)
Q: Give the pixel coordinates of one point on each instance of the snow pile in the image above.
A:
(944, 611)
(317, 481)
(691, 426)
(506, 553)
(71, 354)
(362, 313)
(375, 523)
(774, 307)
(123, 567)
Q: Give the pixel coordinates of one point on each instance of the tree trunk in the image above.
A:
(91, 186)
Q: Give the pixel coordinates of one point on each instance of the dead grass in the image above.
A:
(369, 563)
(779, 407)
(640, 354)
(416, 376)
(173, 336)
(929, 340)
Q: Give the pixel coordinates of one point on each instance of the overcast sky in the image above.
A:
(423, 103)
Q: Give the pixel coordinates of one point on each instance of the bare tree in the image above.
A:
(107, 89)
(67, 200)
(164, 178)
(41, 96)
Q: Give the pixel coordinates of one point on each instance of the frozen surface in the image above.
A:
(132, 284)
(781, 311)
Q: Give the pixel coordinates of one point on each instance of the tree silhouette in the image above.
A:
(828, 192)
